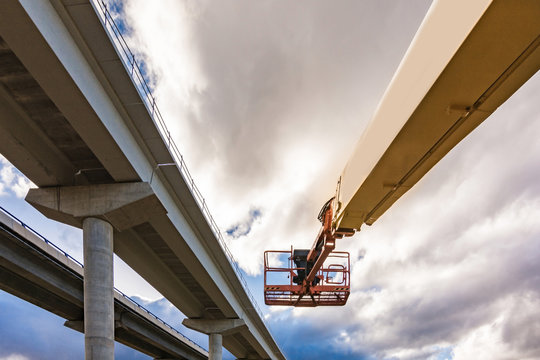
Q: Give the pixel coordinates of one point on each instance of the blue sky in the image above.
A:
(266, 101)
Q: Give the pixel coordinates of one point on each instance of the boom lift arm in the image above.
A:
(324, 243)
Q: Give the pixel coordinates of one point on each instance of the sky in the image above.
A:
(266, 100)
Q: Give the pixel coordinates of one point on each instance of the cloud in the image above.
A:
(503, 337)
(12, 181)
(14, 357)
(299, 339)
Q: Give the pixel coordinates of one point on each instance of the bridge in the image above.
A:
(34, 269)
(79, 120)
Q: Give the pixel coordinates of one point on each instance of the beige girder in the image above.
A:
(460, 67)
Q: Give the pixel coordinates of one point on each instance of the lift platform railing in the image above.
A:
(332, 287)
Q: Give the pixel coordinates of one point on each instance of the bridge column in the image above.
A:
(98, 289)
(99, 210)
(215, 329)
(215, 346)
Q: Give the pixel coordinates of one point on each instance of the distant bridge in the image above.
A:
(32, 268)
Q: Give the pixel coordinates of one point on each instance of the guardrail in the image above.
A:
(24, 225)
(134, 68)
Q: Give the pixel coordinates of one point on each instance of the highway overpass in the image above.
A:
(77, 118)
(35, 270)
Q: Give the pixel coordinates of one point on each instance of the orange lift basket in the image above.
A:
(311, 277)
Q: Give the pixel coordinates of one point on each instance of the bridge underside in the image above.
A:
(51, 132)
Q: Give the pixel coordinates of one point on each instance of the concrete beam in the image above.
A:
(28, 148)
(123, 205)
(208, 326)
(132, 249)
(40, 40)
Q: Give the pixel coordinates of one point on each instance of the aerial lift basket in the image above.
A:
(283, 283)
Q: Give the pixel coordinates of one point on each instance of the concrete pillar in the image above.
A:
(98, 289)
(215, 347)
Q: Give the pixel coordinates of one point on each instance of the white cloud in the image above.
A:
(504, 337)
(12, 181)
(14, 357)
(7, 174)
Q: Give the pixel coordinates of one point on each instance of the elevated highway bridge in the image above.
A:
(78, 119)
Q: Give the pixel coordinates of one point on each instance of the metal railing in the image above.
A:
(134, 68)
(186, 339)
(157, 318)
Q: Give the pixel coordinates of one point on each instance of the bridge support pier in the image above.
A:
(98, 289)
(215, 329)
(215, 346)
(99, 210)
